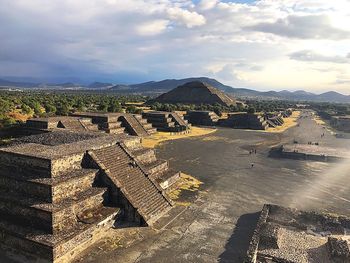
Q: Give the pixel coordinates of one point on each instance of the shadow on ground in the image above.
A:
(237, 245)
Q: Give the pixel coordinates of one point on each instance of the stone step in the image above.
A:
(156, 167)
(163, 124)
(144, 155)
(134, 127)
(166, 178)
(147, 125)
(50, 189)
(110, 125)
(115, 130)
(151, 131)
(130, 179)
(39, 244)
(48, 216)
(155, 114)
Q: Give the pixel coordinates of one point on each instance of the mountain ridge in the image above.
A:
(157, 87)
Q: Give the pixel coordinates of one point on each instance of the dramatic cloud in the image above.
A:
(304, 27)
(308, 55)
(243, 43)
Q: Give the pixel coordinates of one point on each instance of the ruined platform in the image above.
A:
(290, 236)
(113, 123)
(166, 121)
(205, 118)
(60, 190)
(311, 152)
(243, 120)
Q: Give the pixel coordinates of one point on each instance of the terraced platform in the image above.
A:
(61, 189)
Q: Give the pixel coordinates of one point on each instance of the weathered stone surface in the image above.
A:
(53, 194)
(289, 235)
(166, 121)
(196, 92)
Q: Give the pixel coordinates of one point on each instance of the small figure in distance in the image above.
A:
(252, 165)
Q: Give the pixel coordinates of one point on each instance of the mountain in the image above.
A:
(15, 84)
(159, 87)
(195, 92)
(169, 84)
(99, 85)
(333, 96)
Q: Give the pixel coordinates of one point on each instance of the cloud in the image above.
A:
(207, 4)
(140, 40)
(303, 27)
(230, 73)
(311, 56)
(185, 17)
(153, 27)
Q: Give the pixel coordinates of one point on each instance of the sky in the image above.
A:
(264, 45)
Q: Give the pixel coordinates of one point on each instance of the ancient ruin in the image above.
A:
(60, 190)
(196, 92)
(167, 121)
(274, 119)
(291, 236)
(114, 123)
(206, 118)
(341, 123)
(309, 152)
(243, 120)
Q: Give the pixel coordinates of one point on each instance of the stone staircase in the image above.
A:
(157, 170)
(206, 118)
(166, 121)
(132, 180)
(71, 124)
(244, 121)
(112, 125)
(88, 125)
(136, 125)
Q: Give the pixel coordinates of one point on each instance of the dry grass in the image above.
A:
(288, 123)
(319, 121)
(134, 103)
(17, 115)
(159, 137)
(185, 183)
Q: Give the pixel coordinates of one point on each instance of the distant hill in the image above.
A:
(99, 85)
(195, 92)
(7, 83)
(163, 86)
(169, 84)
(159, 87)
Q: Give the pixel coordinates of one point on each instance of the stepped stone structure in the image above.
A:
(206, 118)
(341, 123)
(114, 123)
(244, 121)
(61, 190)
(196, 92)
(167, 121)
(71, 123)
(274, 119)
(286, 235)
(310, 152)
(132, 124)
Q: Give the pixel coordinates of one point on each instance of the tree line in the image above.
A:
(45, 104)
